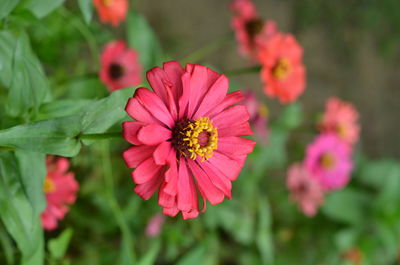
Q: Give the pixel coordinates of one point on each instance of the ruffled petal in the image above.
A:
(146, 190)
(130, 130)
(231, 168)
(230, 99)
(138, 112)
(161, 153)
(185, 192)
(231, 116)
(236, 130)
(146, 171)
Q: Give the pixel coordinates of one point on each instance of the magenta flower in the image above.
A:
(304, 189)
(60, 188)
(120, 66)
(328, 160)
(258, 112)
(186, 138)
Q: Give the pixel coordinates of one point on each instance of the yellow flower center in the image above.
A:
(201, 138)
(341, 130)
(328, 161)
(281, 69)
(48, 185)
(108, 2)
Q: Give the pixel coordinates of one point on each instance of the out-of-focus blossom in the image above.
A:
(328, 160)
(283, 72)
(60, 188)
(341, 118)
(305, 190)
(120, 67)
(111, 11)
(154, 225)
(258, 112)
(250, 30)
(186, 137)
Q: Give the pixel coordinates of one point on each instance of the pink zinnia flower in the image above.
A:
(250, 30)
(282, 72)
(328, 160)
(120, 67)
(186, 137)
(341, 118)
(111, 11)
(258, 112)
(154, 225)
(60, 188)
(304, 189)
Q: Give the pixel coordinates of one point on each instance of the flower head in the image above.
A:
(341, 118)
(250, 30)
(328, 160)
(186, 138)
(258, 112)
(119, 66)
(282, 72)
(305, 190)
(60, 188)
(111, 11)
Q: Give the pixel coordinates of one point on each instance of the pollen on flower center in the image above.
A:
(281, 69)
(116, 71)
(328, 161)
(48, 185)
(194, 138)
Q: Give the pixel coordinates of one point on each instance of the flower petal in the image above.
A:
(161, 153)
(236, 130)
(138, 112)
(231, 116)
(146, 171)
(137, 154)
(153, 134)
(230, 99)
(130, 130)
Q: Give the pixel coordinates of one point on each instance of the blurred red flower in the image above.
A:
(120, 67)
(250, 30)
(304, 189)
(282, 72)
(60, 188)
(341, 118)
(111, 11)
(186, 137)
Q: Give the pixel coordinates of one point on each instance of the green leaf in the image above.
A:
(86, 9)
(32, 167)
(7, 47)
(59, 136)
(17, 214)
(7, 245)
(142, 38)
(6, 7)
(29, 85)
(346, 238)
(55, 136)
(41, 8)
(58, 246)
(151, 255)
(62, 108)
(264, 235)
(348, 205)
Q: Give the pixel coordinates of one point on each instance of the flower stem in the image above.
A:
(241, 71)
(6, 148)
(100, 136)
(127, 241)
(199, 54)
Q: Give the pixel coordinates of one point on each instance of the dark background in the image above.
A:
(350, 51)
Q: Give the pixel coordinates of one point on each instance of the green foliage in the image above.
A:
(58, 246)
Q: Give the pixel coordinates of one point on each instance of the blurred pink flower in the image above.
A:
(341, 118)
(328, 160)
(283, 72)
(305, 190)
(187, 137)
(120, 66)
(258, 112)
(111, 11)
(250, 30)
(154, 225)
(60, 188)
